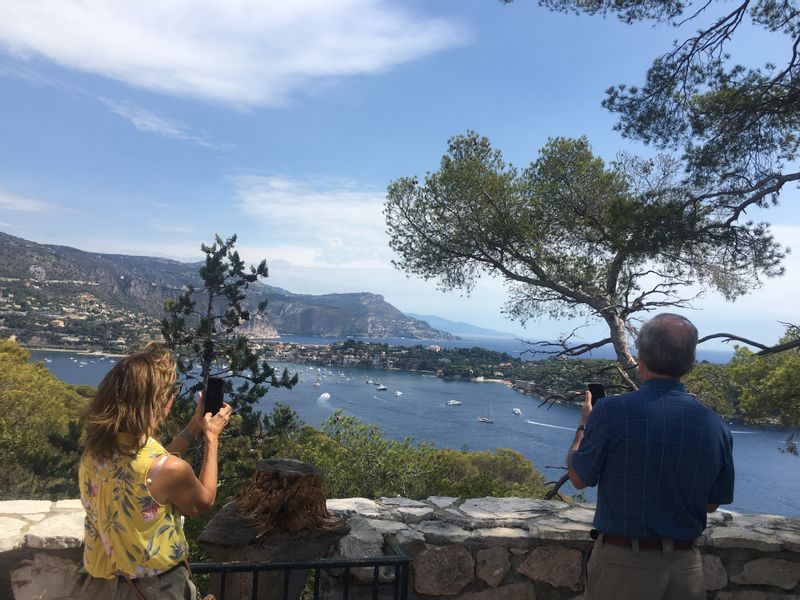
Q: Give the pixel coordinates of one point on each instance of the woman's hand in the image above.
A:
(214, 424)
(195, 425)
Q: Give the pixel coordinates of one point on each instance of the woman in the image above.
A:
(131, 485)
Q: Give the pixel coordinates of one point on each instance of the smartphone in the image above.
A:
(597, 390)
(214, 394)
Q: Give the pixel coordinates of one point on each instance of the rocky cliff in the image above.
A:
(46, 286)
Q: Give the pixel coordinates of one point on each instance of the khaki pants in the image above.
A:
(174, 585)
(621, 573)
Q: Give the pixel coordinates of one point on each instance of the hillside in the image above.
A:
(64, 297)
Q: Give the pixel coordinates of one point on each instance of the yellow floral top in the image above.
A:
(126, 531)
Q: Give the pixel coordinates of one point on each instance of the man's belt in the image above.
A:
(652, 544)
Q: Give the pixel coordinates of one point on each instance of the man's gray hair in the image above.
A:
(666, 345)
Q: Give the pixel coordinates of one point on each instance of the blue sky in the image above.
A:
(144, 128)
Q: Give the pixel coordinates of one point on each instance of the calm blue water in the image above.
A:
(766, 479)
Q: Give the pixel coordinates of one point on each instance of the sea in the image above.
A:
(415, 405)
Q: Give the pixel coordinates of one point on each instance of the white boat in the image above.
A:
(381, 388)
(487, 417)
(516, 411)
(453, 403)
(317, 384)
(369, 382)
(398, 393)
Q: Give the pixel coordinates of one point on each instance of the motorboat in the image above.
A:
(398, 393)
(453, 403)
(485, 420)
(381, 388)
(516, 411)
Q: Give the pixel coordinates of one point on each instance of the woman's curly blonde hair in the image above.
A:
(132, 399)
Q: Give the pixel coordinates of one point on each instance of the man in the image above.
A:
(661, 461)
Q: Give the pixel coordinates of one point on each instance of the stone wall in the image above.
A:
(475, 549)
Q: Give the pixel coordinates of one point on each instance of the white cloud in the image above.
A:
(145, 120)
(238, 52)
(315, 222)
(9, 201)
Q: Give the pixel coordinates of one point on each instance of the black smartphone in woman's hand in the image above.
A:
(215, 391)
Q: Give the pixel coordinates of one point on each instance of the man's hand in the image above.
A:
(587, 407)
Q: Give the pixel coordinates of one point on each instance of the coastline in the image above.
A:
(73, 351)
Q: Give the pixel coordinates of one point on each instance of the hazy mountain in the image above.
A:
(46, 286)
(459, 327)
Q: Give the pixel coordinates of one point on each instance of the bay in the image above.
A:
(766, 479)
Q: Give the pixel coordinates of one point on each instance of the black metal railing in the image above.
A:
(397, 561)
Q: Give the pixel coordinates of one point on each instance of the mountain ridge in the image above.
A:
(51, 293)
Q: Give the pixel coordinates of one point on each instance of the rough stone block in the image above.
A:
(443, 571)
(405, 502)
(11, 532)
(492, 565)
(442, 501)
(410, 541)
(770, 571)
(73, 504)
(21, 507)
(508, 508)
(558, 529)
(46, 577)
(414, 515)
(714, 573)
(385, 527)
(437, 532)
(362, 541)
(556, 565)
(514, 591)
(505, 536)
(59, 530)
(352, 506)
(739, 537)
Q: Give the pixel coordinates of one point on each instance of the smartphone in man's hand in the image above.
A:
(215, 392)
(597, 390)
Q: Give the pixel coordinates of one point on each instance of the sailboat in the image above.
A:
(487, 418)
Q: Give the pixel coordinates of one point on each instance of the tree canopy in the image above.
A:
(570, 234)
(734, 124)
(39, 430)
(203, 327)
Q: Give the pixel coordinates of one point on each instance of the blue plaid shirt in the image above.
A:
(660, 457)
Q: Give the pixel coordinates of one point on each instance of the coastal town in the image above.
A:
(79, 322)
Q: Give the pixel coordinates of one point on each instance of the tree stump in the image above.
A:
(280, 516)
